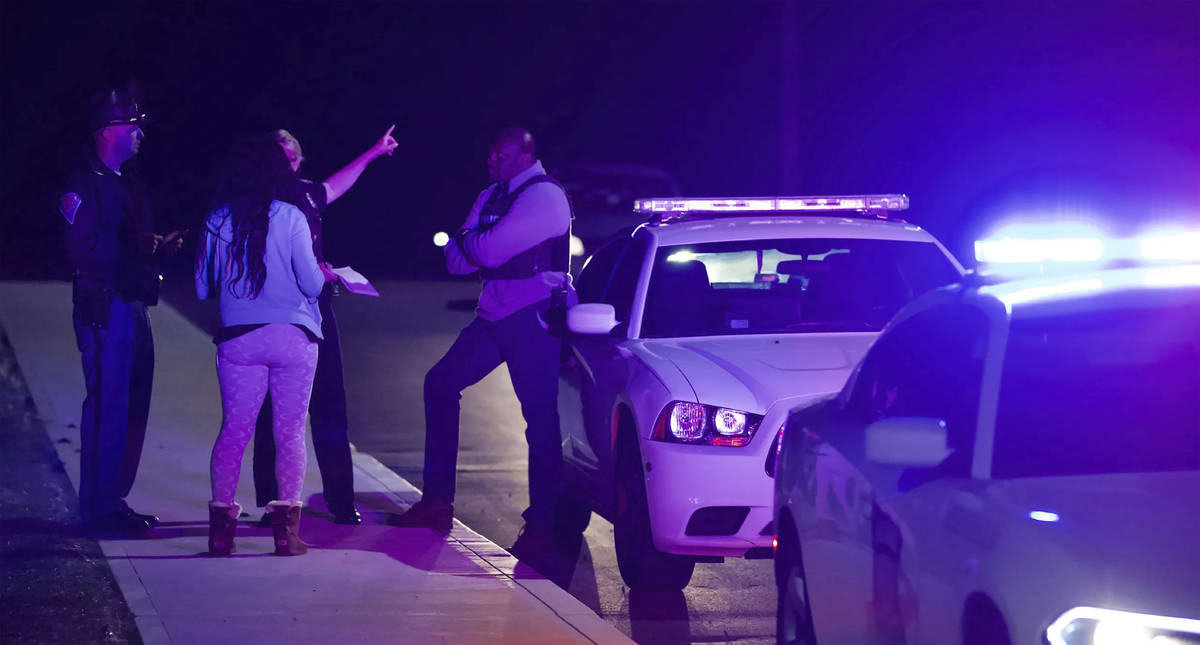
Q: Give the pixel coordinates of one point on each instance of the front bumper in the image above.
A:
(682, 479)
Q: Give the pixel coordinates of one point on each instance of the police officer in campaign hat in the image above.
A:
(112, 247)
(517, 237)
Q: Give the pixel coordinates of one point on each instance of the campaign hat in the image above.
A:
(114, 107)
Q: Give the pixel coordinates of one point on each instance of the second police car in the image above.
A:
(1010, 463)
(694, 336)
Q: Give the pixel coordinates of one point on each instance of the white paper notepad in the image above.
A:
(355, 282)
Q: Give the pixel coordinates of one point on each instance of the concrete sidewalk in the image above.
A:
(366, 584)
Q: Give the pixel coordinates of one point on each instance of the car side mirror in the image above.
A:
(918, 442)
(591, 318)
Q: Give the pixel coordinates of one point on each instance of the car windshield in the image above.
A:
(787, 286)
(1101, 392)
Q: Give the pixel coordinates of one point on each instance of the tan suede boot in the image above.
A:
(285, 524)
(222, 524)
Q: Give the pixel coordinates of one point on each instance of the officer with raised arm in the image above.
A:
(517, 237)
(327, 407)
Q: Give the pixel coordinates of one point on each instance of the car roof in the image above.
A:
(775, 225)
(1050, 296)
(1101, 290)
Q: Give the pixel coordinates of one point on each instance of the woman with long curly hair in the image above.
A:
(256, 256)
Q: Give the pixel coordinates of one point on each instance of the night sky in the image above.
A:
(975, 109)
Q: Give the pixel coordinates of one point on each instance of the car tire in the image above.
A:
(642, 566)
(793, 615)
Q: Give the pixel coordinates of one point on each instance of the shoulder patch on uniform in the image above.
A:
(68, 205)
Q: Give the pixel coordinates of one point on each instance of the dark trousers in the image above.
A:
(327, 416)
(532, 356)
(118, 371)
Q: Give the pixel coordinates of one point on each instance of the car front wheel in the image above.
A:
(793, 617)
(642, 566)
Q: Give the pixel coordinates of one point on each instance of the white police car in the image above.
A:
(1013, 463)
(694, 337)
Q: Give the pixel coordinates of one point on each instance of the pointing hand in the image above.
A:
(386, 144)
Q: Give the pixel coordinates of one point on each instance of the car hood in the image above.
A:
(751, 372)
(1136, 533)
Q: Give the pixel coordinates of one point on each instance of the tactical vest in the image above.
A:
(553, 254)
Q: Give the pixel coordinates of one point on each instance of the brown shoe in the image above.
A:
(533, 544)
(285, 524)
(425, 514)
(222, 524)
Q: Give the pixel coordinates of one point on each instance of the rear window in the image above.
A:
(1101, 392)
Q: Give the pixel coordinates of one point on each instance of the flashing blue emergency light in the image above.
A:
(1062, 245)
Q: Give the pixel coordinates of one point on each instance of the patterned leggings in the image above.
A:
(278, 356)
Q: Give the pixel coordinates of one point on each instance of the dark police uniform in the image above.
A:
(114, 284)
(327, 407)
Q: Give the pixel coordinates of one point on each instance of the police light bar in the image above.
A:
(1181, 246)
(1034, 243)
(771, 204)
(1161, 247)
(1033, 251)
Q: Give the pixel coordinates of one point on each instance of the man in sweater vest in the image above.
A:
(517, 237)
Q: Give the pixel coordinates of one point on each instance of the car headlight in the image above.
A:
(729, 423)
(687, 422)
(1094, 626)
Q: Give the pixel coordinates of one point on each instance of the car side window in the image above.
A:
(594, 277)
(625, 278)
(930, 365)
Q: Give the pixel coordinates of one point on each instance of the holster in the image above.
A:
(556, 315)
(92, 304)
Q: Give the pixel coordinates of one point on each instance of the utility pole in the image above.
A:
(789, 97)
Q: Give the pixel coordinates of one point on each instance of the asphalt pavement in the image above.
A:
(367, 584)
(55, 584)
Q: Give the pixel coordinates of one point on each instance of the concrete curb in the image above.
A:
(563, 604)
